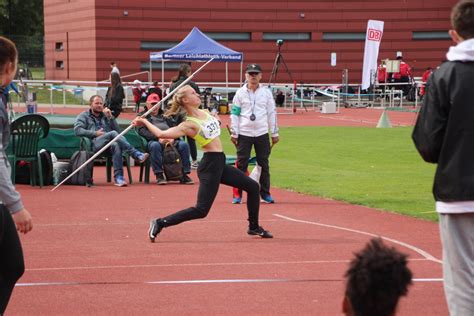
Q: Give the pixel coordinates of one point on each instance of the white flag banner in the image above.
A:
(371, 52)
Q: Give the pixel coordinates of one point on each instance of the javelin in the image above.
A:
(131, 125)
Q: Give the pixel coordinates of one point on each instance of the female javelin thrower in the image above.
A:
(212, 170)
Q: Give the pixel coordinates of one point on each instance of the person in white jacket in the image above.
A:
(253, 118)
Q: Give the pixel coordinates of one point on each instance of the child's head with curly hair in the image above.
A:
(377, 277)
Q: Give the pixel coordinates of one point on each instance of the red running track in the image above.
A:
(89, 254)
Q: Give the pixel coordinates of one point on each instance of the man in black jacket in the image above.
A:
(156, 145)
(444, 134)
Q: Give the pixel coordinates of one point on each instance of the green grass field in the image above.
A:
(38, 73)
(43, 94)
(378, 168)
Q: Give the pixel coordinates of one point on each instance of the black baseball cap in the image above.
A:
(253, 68)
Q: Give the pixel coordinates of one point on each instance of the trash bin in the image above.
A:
(223, 108)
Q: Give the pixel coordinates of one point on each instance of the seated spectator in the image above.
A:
(156, 145)
(382, 76)
(184, 71)
(155, 88)
(377, 277)
(101, 127)
(139, 95)
(403, 76)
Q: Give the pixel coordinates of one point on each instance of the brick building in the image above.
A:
(82, 37)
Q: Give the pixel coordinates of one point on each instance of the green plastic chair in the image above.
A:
(86, 144)
(140, 143)
(26, 132)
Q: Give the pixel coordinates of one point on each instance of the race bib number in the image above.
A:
(211, 129)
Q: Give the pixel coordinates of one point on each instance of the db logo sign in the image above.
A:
(374, 35)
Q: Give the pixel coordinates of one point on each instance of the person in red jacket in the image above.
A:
(382, 74)
(139, 94)
(424, 78)
(403, 76)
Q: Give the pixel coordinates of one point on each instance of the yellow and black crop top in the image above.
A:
(209, 129)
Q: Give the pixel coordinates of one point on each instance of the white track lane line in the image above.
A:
(214, 264)
(180, 282)
(401, 243)
(176, 265)
(359, 121)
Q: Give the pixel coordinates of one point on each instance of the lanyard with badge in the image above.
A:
(252, 116)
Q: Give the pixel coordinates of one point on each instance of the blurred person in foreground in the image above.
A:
(13, 215)
(444, 134)
(376, 279)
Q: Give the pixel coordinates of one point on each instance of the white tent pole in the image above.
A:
(241, 68)
(150, 76)
(162, 75)
(227, 80)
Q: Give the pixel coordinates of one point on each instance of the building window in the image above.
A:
(156, 65)
(327, 36)
(59, 64)
(433, 35)
(59, 46)
(157, 45)
(229, 36)
(287, 36)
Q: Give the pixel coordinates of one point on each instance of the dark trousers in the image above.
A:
(192, 148)
(116, 110)
(12, 266)
(405, 88)
(213, 171)
(262, 151)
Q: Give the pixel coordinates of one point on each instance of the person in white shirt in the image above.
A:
(253, 118)
(114, 67)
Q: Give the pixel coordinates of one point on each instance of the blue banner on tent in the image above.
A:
(197, 46)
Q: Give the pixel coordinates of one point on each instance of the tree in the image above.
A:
(22, 21)
(19, 17)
